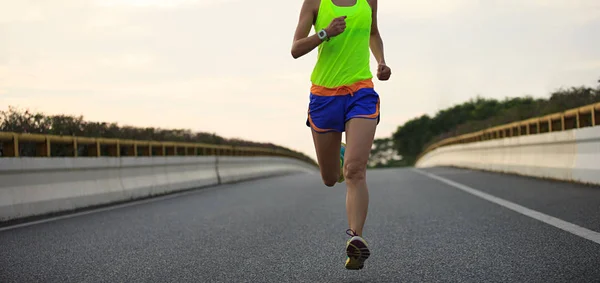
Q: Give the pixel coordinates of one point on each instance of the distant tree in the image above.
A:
(383, 154)
(25, 121)
(411, 138)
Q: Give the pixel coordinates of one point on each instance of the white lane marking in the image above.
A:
(558, 223)
(111, 207)
(123, 205)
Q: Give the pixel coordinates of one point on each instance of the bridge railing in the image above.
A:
(14, 144)
(585, 116)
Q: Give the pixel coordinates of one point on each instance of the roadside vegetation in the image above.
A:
(26, 121)
(414, 136)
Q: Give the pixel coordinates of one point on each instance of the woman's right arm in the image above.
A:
(303, 43)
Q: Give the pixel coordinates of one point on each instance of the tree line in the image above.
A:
(414, 136)
(25, 121)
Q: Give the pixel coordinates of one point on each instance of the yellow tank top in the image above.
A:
(345, 58)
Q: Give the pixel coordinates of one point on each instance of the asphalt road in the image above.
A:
(292, 229)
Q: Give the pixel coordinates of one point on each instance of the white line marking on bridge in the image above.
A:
(116, 206)
(558, 223)
(107, 208)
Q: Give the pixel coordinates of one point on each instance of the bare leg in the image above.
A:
(328, 146)
(359, 139)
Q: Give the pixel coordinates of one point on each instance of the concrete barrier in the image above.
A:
(235, 169)
(570, 155)
(39, 186)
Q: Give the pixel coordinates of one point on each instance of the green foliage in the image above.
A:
(25, 121)
(383, 154)
(414, 136)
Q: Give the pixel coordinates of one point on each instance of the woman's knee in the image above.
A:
(330, 178)
(329, 182)
(355, 170)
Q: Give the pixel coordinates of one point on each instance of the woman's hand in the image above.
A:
(337, 26)
(383, 72)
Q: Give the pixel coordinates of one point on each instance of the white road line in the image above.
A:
(112, 207)
(561, 224)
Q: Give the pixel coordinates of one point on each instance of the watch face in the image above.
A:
(321, 34)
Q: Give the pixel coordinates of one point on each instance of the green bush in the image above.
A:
(25, 121)
(414, 136)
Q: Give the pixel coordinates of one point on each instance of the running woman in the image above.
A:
(343, 99)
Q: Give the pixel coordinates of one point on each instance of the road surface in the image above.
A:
(421, 228)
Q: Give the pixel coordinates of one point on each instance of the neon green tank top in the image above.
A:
(344, 59)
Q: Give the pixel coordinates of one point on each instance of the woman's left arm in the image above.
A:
(376, 43)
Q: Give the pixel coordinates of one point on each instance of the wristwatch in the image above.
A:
(323, 35)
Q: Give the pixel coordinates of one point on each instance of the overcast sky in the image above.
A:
(224, 66)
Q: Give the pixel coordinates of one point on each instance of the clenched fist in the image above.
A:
(383, 72)
(337, 26)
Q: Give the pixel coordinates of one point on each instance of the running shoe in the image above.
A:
(342, 152)
(357, 251)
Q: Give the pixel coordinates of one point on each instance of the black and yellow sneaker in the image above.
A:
(357, 251)
(342, 152)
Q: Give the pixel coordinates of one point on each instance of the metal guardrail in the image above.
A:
(12, 145)
(585, 116)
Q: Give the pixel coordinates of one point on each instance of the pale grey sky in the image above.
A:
(225, 66)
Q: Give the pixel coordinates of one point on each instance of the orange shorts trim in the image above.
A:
(341, 90)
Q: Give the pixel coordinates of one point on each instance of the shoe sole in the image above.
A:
(357, 252)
